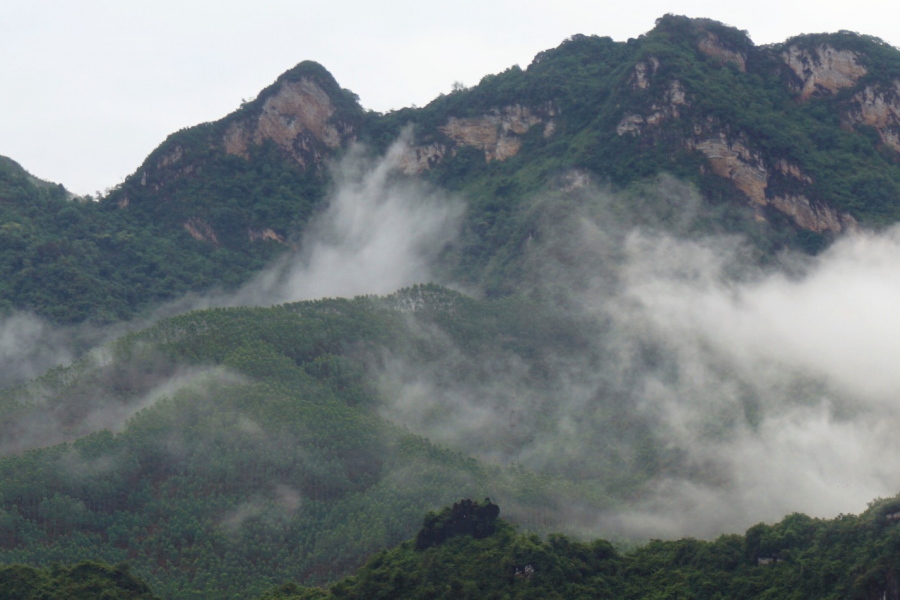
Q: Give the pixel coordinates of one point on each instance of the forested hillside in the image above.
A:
(635, 290)
(69, 260)
(249, 447)
(848, 557)
(791, 143)
(83, 581)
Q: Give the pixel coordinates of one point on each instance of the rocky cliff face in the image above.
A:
(688, 103)
(416, 159)
(878, 107)
(201, 231)
(267, 234)
(498, 133)
(710, 45)
(298, 118)
(823, 70)
(750, 173)
(667, 108)
(298, 113)
(729, 155)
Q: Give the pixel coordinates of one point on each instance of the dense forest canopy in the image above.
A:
(848, 557)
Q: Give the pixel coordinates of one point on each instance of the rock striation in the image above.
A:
(730, 155)
(750, 173)
(822, 70)
(498, 133)
(298, 118)
(878, 107)
(710, 45)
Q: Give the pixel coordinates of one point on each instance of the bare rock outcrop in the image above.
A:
(813, 216)
(498, 133)
(823, 70)
(416, 159)
(710, 45)
(257, 235)
(297, 118)
(669, 108)
(643, 71)
(879, 108)
(168, 159)
(170, 162)
(201, 231)
(732, 159)
(631, 124)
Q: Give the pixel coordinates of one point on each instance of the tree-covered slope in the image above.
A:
(848, 557)
(82, 581)
(71, 260)
(792, 143)
(224, 451)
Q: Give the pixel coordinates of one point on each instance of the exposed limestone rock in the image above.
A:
(171, 157)
(732, 159)
(123, 202)
(496, 133)
(201, 231)
(880, 109)
(675, 95)
(256, 235)
(710, 45)
(149, 178)
(633, 123)
(641, 79)
(786, 168)
(295, 118)
(654, 118)
(549, 128)
(814, 216)
(824, 70)
(420, 158)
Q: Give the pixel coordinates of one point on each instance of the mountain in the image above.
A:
(803, 132)
(662, 329)
(788, 144)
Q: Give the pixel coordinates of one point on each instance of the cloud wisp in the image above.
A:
(779, 390)
(717, 393)
(380, 232)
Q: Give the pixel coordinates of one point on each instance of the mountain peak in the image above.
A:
(312, 71)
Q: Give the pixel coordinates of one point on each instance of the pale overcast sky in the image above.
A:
(90, 87)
